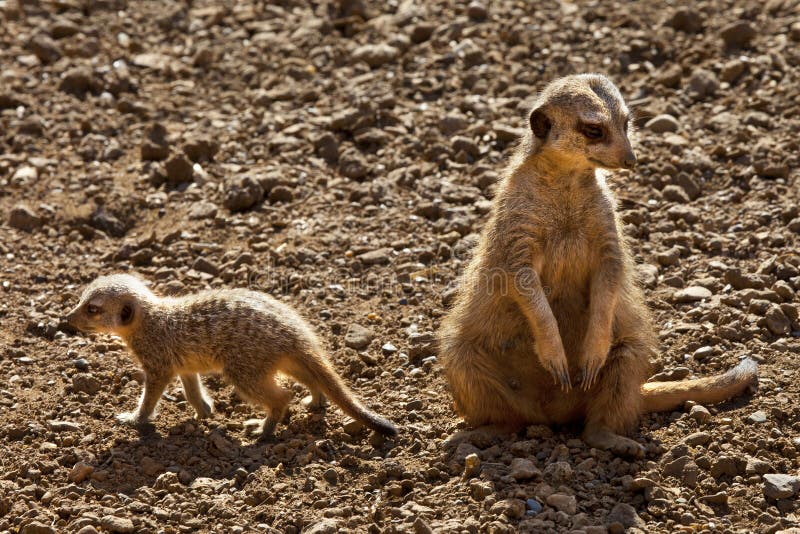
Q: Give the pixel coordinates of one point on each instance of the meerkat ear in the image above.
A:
(126, 314)
(540, 123)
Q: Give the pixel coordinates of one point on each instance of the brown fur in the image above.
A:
(549, 301)
(245, 335)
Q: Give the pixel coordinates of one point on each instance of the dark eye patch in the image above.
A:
(91, 309)
(595, 132)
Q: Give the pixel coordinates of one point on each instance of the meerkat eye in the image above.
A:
(91, 309)
(592, 131)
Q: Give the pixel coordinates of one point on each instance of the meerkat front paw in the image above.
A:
(594, 358)
(554, 360)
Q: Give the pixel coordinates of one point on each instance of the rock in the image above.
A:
(77, 81)
(506, 133)
(202, 210)
(757, 417)
(44, 48)
(732, 70)
(80, 472)
(376, 257)
(477, 11)
(724, 466)
(670, 76)
(700, 413)
(697, 439)
(358, 337)
(200, 148)
(683, 212)
(85, 383)
(113, 523)
(686, 20)
(155, 147)
(281, 193)
(523, 469)
(150, 467)
(703, 353)
(325, 526)
(205, 266)
(421, 527)
(738, 34)
(376, 55)
(353, 427)
(757, 466)
(35, 527)
(179, 169)
(558, 472)
(61, 28)
(63, 426)
(691, 294)
(242, 193)
(388, 349)
(662, 123)
(563, 503)
(421, 32)
(781, 486)
(674, 193)
(533, 506)
(703, 83)
(511, 508)
(23, 218)
(472, 465)
(88, 529)
(452, 123)
(468, 146)
(777, 322)
(25, 176)
(331, 475)
(626, 515)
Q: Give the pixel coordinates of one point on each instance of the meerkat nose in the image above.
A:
(629, 161)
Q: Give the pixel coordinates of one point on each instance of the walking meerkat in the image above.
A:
(245, 335)
(549, 325)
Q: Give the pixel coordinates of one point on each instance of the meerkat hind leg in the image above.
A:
(267, 393)
(197, 395)
(616, 403)
(315, 401)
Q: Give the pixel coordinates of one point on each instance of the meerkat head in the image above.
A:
(582, 121)
(111, 305)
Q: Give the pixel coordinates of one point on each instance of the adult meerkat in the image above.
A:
(549, 325)
(245, 335)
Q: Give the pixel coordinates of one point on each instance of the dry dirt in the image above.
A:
(342, 157)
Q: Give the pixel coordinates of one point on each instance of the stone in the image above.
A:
(77, 81)
(281, 193)
(477, 11)
(563, 503)
(80, 472)
(691, 294)
(179, 169)
(757, 417)
(44, 48)
(686, 20)
(113, 523)
(150, 467)
(61, 28)
(376, 55)
(703, 83)
(421, 32)
(662, 123)
(523, 469)
(376, 257)
(23, 218)
(511, 508)
(777, 322)
(738, 34)
(472, 465)
(358, 337)
(325, 526)
(200, 148)
(732, 70)
(781, 486)
(724, 465)
(626, 515)
(25, 176)
(421, 526)
(155, 147)
(85, 383)
(697, 439)
(242, 193)
(757, 466)
(534, 507)
(36, 527)
(700, 413)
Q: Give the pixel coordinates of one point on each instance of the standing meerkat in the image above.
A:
(245, 335)
(549, 325)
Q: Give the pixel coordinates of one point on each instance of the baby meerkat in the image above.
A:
(549, 324)
(246, 335)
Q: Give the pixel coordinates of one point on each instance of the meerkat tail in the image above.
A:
(666, 396)
(318, 374)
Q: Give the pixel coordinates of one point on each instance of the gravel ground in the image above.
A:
(342, 157)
